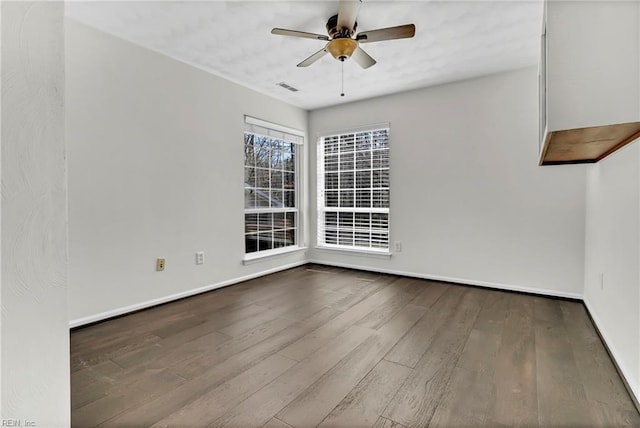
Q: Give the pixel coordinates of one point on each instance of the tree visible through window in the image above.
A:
(353, 189)
(271, 213)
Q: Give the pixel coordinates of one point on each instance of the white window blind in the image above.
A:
(270, 186)
(278, 132)
(353, 190)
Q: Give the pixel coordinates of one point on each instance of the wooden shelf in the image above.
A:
(586, 145)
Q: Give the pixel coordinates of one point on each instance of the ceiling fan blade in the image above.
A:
(363, 59)
(391, 33)
(347, 13)
(313, 58)
(294, 33)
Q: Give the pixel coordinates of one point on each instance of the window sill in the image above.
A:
(265, 255)
(385, 254)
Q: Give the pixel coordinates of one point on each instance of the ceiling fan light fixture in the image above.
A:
(343, 42)
(342, 48)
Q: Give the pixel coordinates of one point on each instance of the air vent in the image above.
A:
(288, 87)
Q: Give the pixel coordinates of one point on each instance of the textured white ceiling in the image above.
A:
(454, 40)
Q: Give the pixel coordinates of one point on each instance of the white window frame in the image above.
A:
(322, 210)
(289, 135)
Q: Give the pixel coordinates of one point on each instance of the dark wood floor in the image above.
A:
(333, 347)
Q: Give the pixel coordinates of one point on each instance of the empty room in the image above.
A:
(333, 213)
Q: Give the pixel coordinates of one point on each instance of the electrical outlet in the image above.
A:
(398, 246)
(200, 257)
(160, 263)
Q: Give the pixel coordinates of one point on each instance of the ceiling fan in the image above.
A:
(343, 42)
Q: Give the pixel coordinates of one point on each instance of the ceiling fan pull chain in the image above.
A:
(342, 92)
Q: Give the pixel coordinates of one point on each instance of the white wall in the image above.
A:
(612, 250)
(155, 170)
(0, 214)
(468, 201)
(591, 62)
(35, 334)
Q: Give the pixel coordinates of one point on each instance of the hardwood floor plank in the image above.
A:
(430, 292)
(82, 378)
(105, 370)
(301, 295)
(194, 365)
(290, 294)
(296, 308)
(249, 323)
(267, 336)
(131, 326)
(481, 350)
(363, 405)
(364, 289)
(493, 315)
(112, 350)
(465, 401)
(366, 275)
(106, 376)
(417, 399)
(266, 288)
(470, 389)
(174, 328)
(301, 312)
(276, 423)
(340, 283)
(221, 318)
(316, 339)
(115, 381)
(264, 404)
(597, 373)
(414, 344)
(81, 396)
(387, 423)
(125, 398)
(310, 408)
(561, 396)
(607, 416)
(515, 402)
(215, 373)
(387, 310)
(85, 338)
(87, 386)
(171, 351)
(215, 403)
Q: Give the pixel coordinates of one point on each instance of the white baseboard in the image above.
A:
(463, 281)
(632, 385)
(154, 302)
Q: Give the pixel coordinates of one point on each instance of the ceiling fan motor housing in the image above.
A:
(335, 32)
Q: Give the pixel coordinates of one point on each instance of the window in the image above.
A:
(270, 191)
(353, 190)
